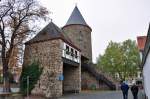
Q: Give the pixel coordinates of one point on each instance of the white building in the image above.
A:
(141, 40)
(146, 65)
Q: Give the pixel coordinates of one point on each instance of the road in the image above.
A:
(97, 95)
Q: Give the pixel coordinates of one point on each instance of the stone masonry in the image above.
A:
(72, 79)
(90, 82)
(49, 56)
(81, 37)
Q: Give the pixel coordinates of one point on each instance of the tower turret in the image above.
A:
(80, 33)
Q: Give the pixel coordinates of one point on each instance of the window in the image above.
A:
(76, 54)
(67, 49)
(72, 54)
(80, 37)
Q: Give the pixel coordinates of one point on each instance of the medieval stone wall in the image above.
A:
(48, 54)
(90, 82)
(72, 79)
(81, 37)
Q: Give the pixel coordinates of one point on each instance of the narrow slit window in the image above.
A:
(67, 49)
(72, 54)
(76, 55)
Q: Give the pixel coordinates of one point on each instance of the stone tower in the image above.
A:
(80, 33)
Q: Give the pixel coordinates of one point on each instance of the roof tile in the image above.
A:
(141, 40)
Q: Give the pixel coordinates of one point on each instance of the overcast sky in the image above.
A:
(115, 20)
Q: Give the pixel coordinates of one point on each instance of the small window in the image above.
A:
(72, 54)
(85, 47)
(80, 37)
(76, 54)
(67, 49)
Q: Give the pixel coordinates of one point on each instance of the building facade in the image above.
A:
(146, 65)
(141, 40)
(15, 68)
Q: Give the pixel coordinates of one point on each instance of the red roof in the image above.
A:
(141, 40)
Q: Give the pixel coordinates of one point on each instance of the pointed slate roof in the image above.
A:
(76, 18)
(50, 32)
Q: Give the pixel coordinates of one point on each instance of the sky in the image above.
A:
(115, 20)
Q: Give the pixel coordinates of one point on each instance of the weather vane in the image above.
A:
(51, 19)
(76, 4)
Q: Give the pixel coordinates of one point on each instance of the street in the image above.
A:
(97, 95)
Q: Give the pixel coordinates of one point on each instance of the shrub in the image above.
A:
(93, 87)
(33, 71)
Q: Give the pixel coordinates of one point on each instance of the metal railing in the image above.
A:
(100, 76)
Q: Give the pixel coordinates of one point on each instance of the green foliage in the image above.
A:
(33, 71)
(93, 87)
(120, 58)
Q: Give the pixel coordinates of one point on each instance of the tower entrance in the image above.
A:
(72, 79)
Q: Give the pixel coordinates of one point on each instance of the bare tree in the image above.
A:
(15, 18)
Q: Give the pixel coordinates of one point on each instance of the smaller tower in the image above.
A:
(80, 33)
(60, 60)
